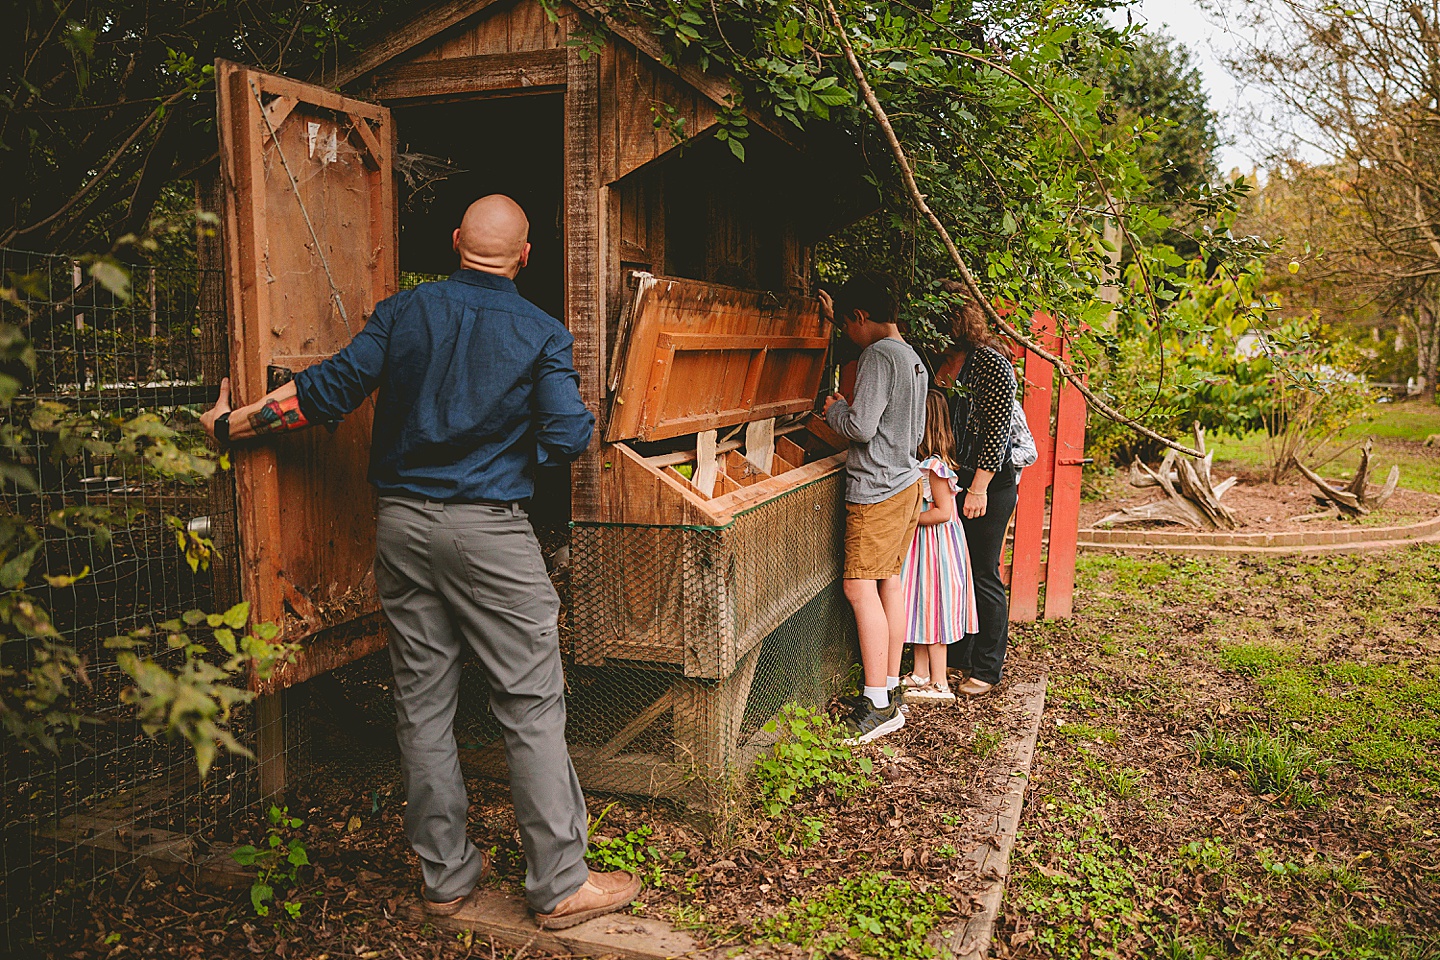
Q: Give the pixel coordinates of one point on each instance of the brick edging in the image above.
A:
(1097, 539)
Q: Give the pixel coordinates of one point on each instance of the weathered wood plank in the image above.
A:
(473, 74)
(688, 366)
(300, 200)
(583, 283)
(1065, 499)
(425, 25)
(1025, 573)
(504, 919)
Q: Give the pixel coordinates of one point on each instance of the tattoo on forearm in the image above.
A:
(277, 416)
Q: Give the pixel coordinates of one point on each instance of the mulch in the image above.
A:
(911, 823)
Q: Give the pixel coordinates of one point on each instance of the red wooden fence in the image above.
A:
(1045, 553)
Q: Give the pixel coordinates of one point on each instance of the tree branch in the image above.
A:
(918, 198)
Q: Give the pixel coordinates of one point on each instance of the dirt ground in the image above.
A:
(907, 825)
(1239, 758)
(1260, 506)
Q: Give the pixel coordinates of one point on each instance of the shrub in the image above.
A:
(277, 864)
(873, 915)
(1228, 366)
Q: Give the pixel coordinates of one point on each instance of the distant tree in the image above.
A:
(103, 103)
(1361, 81)
(1158, 80)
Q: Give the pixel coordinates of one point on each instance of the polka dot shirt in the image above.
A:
(982, 416)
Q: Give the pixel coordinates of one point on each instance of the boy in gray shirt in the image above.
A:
(882, 490)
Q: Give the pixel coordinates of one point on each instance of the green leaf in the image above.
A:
(112, 276)
(236, 616)
(13, 572)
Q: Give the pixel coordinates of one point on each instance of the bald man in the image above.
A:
(477, 388)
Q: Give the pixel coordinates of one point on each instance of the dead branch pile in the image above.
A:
(1191, 498)
(1353, 500)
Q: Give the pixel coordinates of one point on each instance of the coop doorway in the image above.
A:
(451, 154)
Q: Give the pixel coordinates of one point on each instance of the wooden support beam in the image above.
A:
(706, 463)
(270, 742)
(522, 72)
(584, 310)
(760, 444)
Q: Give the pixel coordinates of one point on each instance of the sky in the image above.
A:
(1209, 41)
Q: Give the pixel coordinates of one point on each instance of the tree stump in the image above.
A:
(1191, 498)
(1354, 500)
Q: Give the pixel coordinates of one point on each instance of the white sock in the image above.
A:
(878, 696)
(891, 683)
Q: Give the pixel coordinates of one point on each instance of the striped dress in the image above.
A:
(939, 590)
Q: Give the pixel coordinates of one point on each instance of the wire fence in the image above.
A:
(111, 796)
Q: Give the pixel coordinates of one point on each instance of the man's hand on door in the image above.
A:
(222, 405)
(276, 412)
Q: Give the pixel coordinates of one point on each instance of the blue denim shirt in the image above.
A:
(477, 386)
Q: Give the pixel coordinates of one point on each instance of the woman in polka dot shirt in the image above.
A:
(979, 381)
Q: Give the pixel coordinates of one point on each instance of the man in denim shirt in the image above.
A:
(477, 387)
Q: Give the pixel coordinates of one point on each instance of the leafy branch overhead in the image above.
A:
(1002, 139)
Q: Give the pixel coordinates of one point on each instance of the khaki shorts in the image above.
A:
(878, 535)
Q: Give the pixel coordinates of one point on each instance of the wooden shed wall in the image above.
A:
(635, 197)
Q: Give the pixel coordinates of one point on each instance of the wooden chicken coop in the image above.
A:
(708, 512)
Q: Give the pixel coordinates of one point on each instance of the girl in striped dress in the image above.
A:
(939, 590)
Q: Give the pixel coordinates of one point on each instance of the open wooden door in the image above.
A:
(310, 246)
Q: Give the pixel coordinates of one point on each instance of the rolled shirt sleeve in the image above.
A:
(563, 424)
(336, 386)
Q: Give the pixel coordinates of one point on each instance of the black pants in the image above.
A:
(982, 655)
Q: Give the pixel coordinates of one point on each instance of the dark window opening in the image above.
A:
(727, 221)
(454, 153)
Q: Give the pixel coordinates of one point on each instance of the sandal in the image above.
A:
(932, 693)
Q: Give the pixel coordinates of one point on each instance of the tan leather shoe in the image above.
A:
(448, 908)
(601, 893)
(974, 688)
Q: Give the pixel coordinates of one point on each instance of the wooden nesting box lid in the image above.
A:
(695, 356)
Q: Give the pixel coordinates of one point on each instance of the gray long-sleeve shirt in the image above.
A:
(884, 424)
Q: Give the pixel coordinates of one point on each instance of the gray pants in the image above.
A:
(452, 575)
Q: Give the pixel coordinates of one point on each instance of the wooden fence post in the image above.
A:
(1034, 482)
(1065, 498)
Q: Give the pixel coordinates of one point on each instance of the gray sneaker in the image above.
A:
(870, 722)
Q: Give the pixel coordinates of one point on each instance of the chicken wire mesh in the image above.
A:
(111, 797)
(680, 643)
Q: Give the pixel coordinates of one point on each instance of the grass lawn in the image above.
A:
(1399, 430)
(1240, 758)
